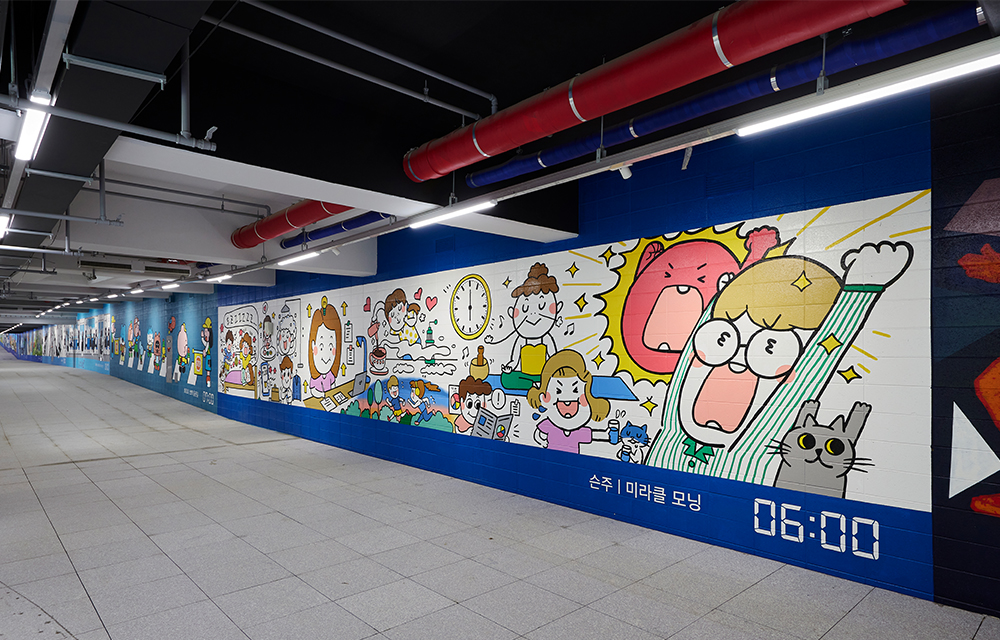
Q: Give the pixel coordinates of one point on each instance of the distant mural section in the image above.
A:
(168, 345)
(789, 351)
(85, 345)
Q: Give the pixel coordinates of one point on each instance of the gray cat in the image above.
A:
(816, 457)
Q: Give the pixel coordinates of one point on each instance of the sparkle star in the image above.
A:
(572, 270)
(649, 405)
(506, 283)
(849, 374)
(830, 343)
(581, 302)
(598, 361)
(802, 282)
(607, 255)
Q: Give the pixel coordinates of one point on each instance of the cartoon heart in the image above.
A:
(431, 302)
(419, 292)
(368, 304)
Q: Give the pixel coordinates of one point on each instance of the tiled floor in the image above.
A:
(128, 515)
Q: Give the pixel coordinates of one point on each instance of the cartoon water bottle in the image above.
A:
(430, 333)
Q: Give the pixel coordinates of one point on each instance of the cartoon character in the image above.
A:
(183, 356)
(634, 440)
(671, 290)
(324, 349)
(394, 400)
(206, 340)
(772, 339)
(285, 373)
(228, 353)
(245, 359)
(567, 403)
(420, 400)
(472, 394)
(286, 335)
(396, 312)
(534, 313)
(157, 351)
(816, 457)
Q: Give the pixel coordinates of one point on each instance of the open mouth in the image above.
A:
(673, 317)
(568, 409)
(725, 398)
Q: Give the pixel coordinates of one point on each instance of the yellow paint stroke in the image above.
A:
(864, 368)
(622, 243)
(600, 262)
(906, 233)
(580, 340)
(595, 347)
(582, 315)
(581, 284)
(882, 217)
(780, 216)
(814, 219)
(879, 333)
(859, 349)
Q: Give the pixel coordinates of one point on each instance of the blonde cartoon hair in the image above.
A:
(422, 387)
(569, 364)
(788, 292)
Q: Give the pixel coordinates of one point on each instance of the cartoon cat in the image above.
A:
(634, 440)
(816, 457)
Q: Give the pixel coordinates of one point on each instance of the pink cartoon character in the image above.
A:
(673, 287)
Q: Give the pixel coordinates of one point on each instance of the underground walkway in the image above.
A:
(128, 515)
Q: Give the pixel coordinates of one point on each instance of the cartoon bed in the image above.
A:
(233, 381)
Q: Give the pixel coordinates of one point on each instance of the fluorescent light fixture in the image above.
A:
(79, 301)
(224, 276)
(93, 300)
(112, 296)
(136, 292)
(172, 285)
(298, 258)
(31, 129)
(878, 93)
(454, 212)
(4, 224)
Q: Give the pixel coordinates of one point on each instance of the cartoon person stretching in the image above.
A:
(420, 400)
(534, 313)
(773, 338)
(324, 349)
(568, 404)
(397, 312)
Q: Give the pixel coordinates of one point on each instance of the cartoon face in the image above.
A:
(471, 405)
(566, 402)
(534, 315)
(397, 316)
(206, 335)
(246, 349)
(736, 366)
(149, 340)
(414, 395)
(394, 391)
(324, 349)
(286, 377)
(182, 342)
(286, 336)
(229, 345)
(157, 345)
(671, 290)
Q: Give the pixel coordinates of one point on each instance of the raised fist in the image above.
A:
(876, 264)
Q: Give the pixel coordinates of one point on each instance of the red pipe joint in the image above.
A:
(738, 33)
(289, 219)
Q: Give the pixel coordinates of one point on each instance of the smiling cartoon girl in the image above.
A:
(397, 313)
(324, 349)
(568, 404)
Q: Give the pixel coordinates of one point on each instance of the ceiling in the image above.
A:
(292, 129)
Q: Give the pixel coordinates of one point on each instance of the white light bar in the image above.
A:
(224, 276)
(136, 292)
(31, 129)
(947, 66)
(112, 296)
(93, 300)
(4, 224)
(454, 212)
(298, 258)
(172, 285)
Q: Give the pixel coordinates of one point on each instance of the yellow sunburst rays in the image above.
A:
(614, 298)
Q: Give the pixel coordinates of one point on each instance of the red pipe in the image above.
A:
(746, 30)
(289, 219)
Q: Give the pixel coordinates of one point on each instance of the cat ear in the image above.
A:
(838, 424)
(809, 422)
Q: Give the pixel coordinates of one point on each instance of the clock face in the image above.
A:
(470, 307)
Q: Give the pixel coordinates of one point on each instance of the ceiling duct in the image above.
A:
(284, 221)
(733, 35)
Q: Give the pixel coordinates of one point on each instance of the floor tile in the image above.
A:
(268, 601)
(521, 607)
(416, 558)
(588, 624)
(347, 578)
(462, 580)
(198, 620)
(887, 615)
(323, 621)
(394, 604)
(451, 622)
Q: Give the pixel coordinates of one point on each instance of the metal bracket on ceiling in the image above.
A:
(822, 82)
(55, 174)
(116, 69)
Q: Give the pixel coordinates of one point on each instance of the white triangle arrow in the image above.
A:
(972, 459)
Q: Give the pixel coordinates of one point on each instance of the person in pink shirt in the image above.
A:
(567, 403)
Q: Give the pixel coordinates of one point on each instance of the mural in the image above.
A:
(776, 351)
